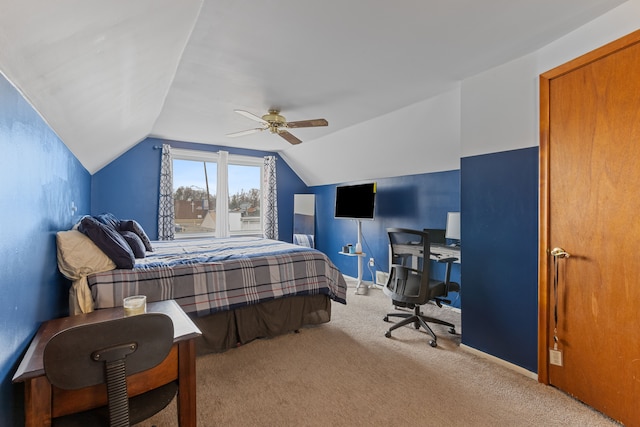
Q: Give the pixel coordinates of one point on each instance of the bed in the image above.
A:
(235, 289)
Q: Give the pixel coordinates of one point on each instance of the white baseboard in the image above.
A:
(501, 362)
(456, 309)
(352, 281)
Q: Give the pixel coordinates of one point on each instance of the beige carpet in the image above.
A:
(346, 373)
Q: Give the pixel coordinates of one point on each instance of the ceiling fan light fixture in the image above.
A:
(273, 128)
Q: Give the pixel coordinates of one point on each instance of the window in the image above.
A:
(195, 188)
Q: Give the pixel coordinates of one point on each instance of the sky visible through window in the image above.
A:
(187, 173)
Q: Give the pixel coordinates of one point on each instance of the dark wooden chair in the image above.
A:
(107, 353)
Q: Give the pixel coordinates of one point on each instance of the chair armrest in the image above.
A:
(454, 287)
(447, 275)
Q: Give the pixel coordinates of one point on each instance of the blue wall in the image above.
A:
(128, 187)
(413, 201)
(499, 226)
(496, 193)
(40, 178)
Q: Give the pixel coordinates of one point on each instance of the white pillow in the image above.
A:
(78, 256)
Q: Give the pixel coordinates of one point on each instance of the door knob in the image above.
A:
(559, 253)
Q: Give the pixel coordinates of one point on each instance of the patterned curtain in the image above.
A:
(166, 220)
(222, 198)
(270, 199)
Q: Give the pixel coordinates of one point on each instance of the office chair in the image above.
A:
(409, 284)
(107, 353)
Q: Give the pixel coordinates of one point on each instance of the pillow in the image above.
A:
(109, 219)
(303, 240)
(77, 224)
(134, 242)
(78, 256)
(109, 241)
(132, 225)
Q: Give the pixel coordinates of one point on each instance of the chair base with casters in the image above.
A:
(418, 319)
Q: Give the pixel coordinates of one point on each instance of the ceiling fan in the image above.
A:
(277, 124)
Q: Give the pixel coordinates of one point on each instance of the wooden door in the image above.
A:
(590, 207)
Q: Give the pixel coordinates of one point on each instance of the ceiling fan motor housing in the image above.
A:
(275, 120)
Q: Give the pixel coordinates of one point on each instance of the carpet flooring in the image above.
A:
(346, 373)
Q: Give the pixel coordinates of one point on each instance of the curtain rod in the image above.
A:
(159, 147)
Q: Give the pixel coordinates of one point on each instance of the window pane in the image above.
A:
(194, 194)
(244, 199)
(195, 189)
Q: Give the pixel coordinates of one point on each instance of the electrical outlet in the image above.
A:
(371, 263)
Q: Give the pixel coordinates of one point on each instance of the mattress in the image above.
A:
(209, 275)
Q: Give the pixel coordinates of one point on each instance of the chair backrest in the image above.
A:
(409, 273)
(107, 352)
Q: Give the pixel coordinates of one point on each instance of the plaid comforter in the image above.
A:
(209, 275)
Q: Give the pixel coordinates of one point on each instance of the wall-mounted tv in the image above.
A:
(355, 201)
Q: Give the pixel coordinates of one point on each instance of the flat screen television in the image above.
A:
(355, 201)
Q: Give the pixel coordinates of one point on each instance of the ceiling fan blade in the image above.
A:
(245, 132)
(251, 116)
(289, 137)
(307, 123)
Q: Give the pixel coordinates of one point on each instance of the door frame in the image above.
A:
(544, 262)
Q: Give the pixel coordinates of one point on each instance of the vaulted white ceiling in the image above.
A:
(107, 74)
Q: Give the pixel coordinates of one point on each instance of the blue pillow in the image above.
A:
(132, 225)
(134, 242)
(109, 219)
(109, 241)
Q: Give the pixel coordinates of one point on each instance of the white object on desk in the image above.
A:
(453, 226)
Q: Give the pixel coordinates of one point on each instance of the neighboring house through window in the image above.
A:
(195, 188)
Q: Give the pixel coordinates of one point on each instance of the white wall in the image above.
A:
(491, 112)
(500, 107)
(423, 137)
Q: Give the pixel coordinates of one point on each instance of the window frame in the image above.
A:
(233, 159)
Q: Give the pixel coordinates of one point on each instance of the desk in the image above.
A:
(438, 251)
(42, 401)
(445, 251)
